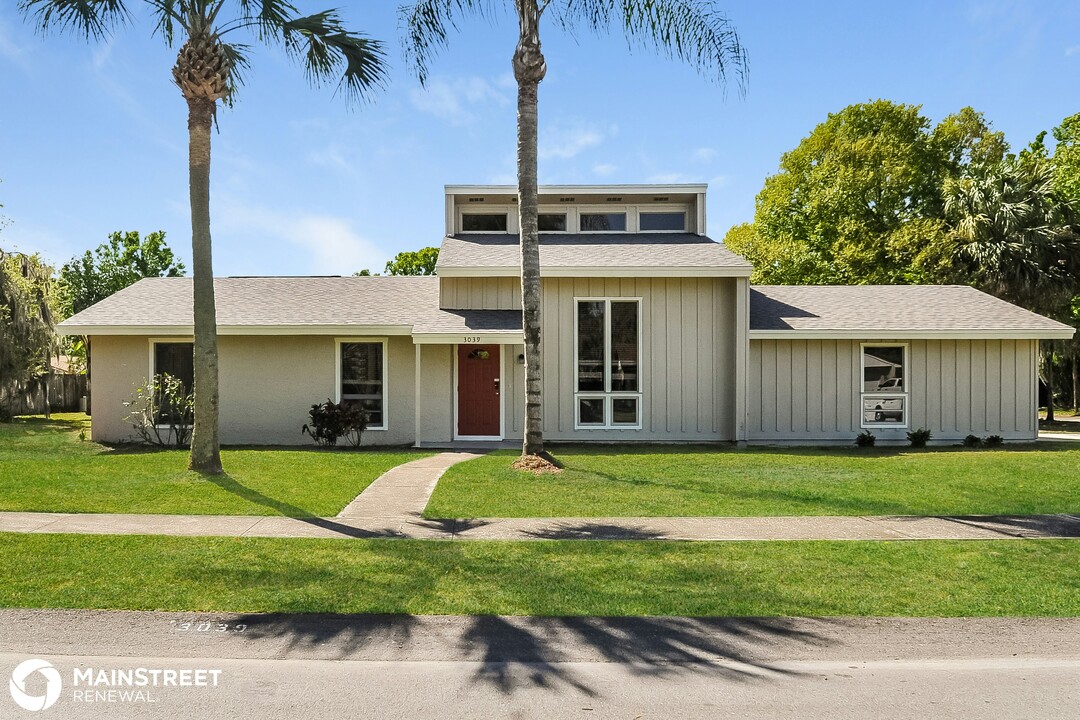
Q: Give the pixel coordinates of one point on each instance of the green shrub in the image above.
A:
(331, 421)
(865, 439)
(972, 441)
(919, 438)
(161, 411)
(995, 441)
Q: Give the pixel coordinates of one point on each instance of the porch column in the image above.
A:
(416, 391)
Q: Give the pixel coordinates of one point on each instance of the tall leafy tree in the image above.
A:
(28, 310)
(208, 70)
(859, 200)
(690, 30)
(114, 265)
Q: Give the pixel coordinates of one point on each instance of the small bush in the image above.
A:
(162, 411)
(866, 439)
(972, 441)
(331, 421)
(919, 438)
(995, 441)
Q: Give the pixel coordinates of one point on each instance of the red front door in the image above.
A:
(478, 390)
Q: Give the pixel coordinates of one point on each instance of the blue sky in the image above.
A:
(93, 136)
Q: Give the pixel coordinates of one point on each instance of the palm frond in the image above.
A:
(91, 18)
(693, 31)
(169, 14)
(329, 50)
(268, 15)
(426, 25)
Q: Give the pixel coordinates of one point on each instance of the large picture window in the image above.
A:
(884, 391)
(362, 378)
(608, 364)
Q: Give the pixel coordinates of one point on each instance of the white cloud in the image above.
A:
(1073, 50)
(10, 48)
(457, 100)
(604, 169)
(565, 141)
(703, 155)
(333, 247)
(331, 156)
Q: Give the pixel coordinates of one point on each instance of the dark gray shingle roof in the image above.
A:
(571, 252)
(889, 309)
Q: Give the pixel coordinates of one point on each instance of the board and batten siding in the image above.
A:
(480, 293)
(808, 390)
(688, 355)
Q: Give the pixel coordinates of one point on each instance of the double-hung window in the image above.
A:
(362, 378)
(884, 390)
(607, 363)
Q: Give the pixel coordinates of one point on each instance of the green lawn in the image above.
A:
(608, 481)
(45, 467)
(924, 578)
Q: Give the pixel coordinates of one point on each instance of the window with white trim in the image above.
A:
(176, 359)
(602, 221)
(362, 378)
(485, 222)
(607, 362)
(884, 392)
(666, 221)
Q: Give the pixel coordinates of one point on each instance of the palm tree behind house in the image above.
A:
(208, 70)
(691, 30)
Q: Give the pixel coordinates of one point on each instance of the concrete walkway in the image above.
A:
(706, 528)
(393, 505)
(403, 491)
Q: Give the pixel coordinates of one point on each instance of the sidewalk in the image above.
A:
(393, 505)
(705, 528)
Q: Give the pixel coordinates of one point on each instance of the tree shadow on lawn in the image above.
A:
(518, 652)
(593, 531)
(229, 485)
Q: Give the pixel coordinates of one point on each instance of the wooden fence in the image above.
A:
(28, 398)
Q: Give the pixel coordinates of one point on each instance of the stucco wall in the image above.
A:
(803, 390)
(267, 385)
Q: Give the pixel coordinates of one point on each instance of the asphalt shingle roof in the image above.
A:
(604, 250)
(881, 309)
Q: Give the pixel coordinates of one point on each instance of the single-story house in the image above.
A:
(651, 332)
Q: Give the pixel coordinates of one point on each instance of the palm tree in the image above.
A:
(1013, 237)
(208, 70)
(690, 30)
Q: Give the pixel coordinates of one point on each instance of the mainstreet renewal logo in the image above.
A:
(99, 685)
(53, 684)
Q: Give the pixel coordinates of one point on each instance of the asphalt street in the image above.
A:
(412, 668)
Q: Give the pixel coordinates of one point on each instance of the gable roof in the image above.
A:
(592, 255)
(289, 305)
(872, 312)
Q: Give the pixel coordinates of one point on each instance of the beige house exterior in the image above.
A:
(651, 333)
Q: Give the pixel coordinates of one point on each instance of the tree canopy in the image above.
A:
(418, 262)
(28, 310)
(114, 265)
(859, 200)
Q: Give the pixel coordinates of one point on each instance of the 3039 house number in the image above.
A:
(472, 338)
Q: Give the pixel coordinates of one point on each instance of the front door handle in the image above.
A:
(496, 386)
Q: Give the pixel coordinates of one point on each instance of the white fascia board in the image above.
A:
(627, 189)
(601, 271)
(168, 330)
(515, 337)
(877, 334)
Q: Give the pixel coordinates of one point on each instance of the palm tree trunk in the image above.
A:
(205, 449)
(529, 70)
